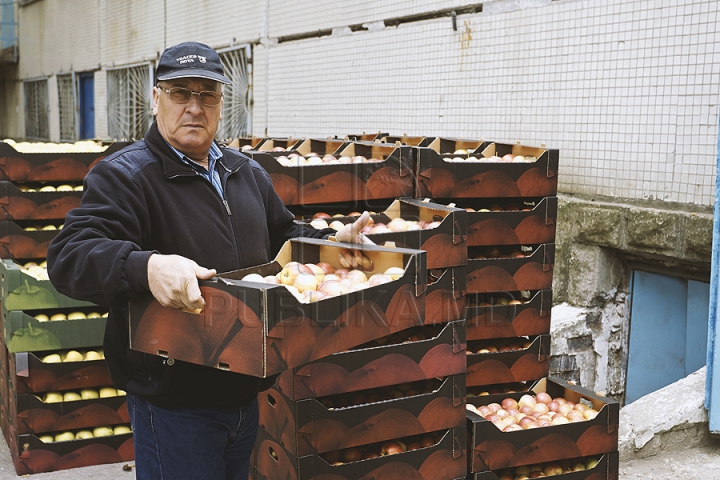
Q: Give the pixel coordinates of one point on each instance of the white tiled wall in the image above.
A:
(627, 90)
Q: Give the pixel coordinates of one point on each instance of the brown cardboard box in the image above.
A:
(511, 222)
(29, 374)
(320, 425)
(493, 449)
(452, 176)
(531, 269)
(445, 244)
(607, 468)
(262, 329)
(16, 204)
(498, 315)
(445, 298)
(444, 460)
(363, 185)
(22, 245)
(450, 145)
(515, 365)
(30, 455)
(49, 167)
(439, 352)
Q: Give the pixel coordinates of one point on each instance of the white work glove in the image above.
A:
(173, 281)
(352, 233)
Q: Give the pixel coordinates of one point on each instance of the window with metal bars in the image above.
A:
(36, 109)
(129, 101)
(236, 104)
(67, 106)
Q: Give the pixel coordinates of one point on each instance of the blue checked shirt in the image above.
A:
(211, 174)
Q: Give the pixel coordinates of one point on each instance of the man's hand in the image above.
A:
(173, 281)
(352, 233)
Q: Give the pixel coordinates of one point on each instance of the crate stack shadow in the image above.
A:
(59, 409)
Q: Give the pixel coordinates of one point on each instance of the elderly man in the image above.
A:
(155, 217)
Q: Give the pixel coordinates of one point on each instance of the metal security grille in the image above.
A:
(36, 109)
(67, 106)
(129, 105)
(236, 105)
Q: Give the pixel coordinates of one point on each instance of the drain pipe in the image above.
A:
(712, 383)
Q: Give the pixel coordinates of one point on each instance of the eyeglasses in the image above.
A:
(183, 95)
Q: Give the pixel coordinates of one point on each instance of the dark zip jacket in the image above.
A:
(144, 199)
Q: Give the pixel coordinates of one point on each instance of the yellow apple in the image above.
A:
(395, 272)
(102, 431)
(64, 188)
(64, 437)
(121, 393)
(52, 358)
(83, 434)
(41, 317)
(73, 356)
(53, 397)
(46, 438)
(106, 392)
(93, 315)
(88, 393)
(49, 227)
(121, 430)
(92, 355)
(58, 316)
(71, 397)
(76, 316)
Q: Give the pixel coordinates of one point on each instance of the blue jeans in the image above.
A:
(192, 443)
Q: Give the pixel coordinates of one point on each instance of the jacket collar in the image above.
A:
(173, 166)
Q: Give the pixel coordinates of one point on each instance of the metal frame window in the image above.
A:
(236, 121)
(129, 101)
(37, 125)
(68, 107)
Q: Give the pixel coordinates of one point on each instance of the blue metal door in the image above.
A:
(668, 331)
(87, 105)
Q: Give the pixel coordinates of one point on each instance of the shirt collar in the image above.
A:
(213, 155)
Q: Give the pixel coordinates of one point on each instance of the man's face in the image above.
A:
(189, 127)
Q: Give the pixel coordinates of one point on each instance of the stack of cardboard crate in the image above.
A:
(59, 409)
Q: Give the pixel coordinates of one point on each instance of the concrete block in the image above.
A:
(697, 241)
(599, 225)
(668, 419)
(653, 231)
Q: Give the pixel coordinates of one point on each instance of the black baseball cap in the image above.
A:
(190, 59)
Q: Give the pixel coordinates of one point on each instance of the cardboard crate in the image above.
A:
(364, 185)
(445, 244)
(29, 414)
(22, 332)
(482, 394)
(444, 460)
(320, 146)
(279, 144)
(30, 455)
(29, 374)
(262, 329)
(529, 363)
(445, 298)
(493, 449)
(49, 166)
(506, 315)
(367, 137)
(450, 145)
(516, 222)
(531, 269)
(17, 243)
(320, 425)
(607, 468)
(413, 141)
(452, 176)
(365, 367)
(17, 204)
(21, 291)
